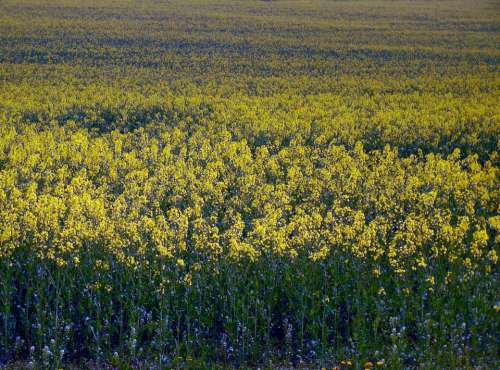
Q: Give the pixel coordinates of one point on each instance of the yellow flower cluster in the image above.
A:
(168, 191)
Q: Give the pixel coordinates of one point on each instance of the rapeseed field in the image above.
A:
(281, 184)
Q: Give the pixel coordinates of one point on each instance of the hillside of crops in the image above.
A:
(273, 184)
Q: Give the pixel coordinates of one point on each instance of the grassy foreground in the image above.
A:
(216, 184)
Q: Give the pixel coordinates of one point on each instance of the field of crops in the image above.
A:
(202, 184)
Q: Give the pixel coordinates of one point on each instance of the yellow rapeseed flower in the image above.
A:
(180, 263)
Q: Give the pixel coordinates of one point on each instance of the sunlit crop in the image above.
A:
(250, 183)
